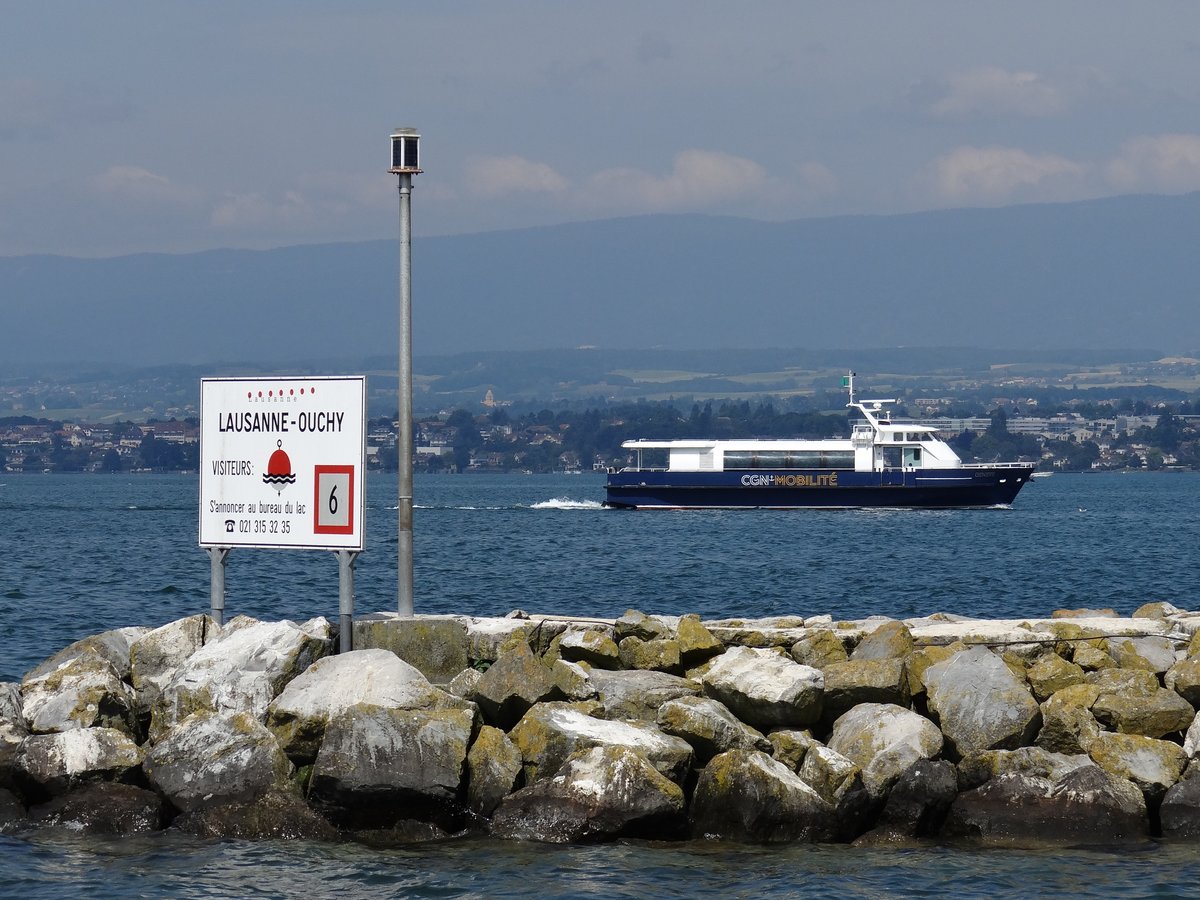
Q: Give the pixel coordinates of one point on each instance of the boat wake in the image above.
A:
(567, 503)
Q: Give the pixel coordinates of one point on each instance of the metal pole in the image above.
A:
(404, 437)
(346, 560)
(216, 567)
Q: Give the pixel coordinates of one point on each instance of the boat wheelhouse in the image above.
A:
(881, 464)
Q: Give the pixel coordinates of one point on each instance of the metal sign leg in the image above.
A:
(346, 561)
(217, 557)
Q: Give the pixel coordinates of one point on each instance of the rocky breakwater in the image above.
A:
(1080, 728)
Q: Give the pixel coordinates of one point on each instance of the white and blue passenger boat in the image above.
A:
(881, 464)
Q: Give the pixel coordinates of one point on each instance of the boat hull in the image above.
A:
(817, 488)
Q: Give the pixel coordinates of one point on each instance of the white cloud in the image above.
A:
(990, 90)
(995, 174)
(133, 183)
(291, 212)
(1168, 163)
(497, 175)
(343, 192)
(698, 179)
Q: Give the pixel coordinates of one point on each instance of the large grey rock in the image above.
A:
(641, 626)
(634, 694)
(1037, 762)
(1184, 679)
(979, 704)
(790, 746)
(1191, 740)
(745, 795)
(463, 683)
(828, 772)
(241, 670)
(1131, 702)
(487, 638)
(1179, 813)
(709, 727)
(1085, 806)
(514, 683)
(50, 764)
(276, 816)
(653, 656)
(1154, 653)
(861, 681)
(108, 808)
(839, 781)
(890, 640)
(12, 730)
(590, 645)
(765, 688)
(819, 648)
(378, 765)
(85, 691)
(551, 732)
(154, 657)
(213, 758)
(599, 794)
(1153, 765)
(884, 740)
(696, 642)
(1052, 673)
(111, 646)
(12, 813)
(330, 686)
(493, 770)
(917, 804)
(437, 646)
(1068, 725)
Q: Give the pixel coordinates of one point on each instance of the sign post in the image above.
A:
(282, 464)
(216, 578)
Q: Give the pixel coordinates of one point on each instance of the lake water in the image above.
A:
(81, 554)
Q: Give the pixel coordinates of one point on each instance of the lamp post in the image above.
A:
(405, 164)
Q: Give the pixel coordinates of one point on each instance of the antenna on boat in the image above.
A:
(848, 383)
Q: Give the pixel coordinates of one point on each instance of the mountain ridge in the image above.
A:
(1096, 274)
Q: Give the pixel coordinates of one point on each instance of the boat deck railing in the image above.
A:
(1000, 465)
(996, 465)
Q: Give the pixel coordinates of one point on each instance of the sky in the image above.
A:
(169, 126)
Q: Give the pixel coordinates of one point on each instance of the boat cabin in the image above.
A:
(874, 445)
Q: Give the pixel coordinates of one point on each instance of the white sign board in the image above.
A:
(281, 462)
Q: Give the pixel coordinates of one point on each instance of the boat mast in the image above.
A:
(848, 383)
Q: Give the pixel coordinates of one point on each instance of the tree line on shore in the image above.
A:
(545, 440)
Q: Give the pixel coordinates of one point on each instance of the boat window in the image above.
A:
(789, 459)
(647, 459)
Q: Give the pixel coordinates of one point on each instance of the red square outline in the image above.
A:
(318, 528)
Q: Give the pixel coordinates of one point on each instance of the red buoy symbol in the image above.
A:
(279, 470)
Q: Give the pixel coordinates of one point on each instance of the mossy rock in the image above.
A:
(819, 648)
(891, 640)
(696, 643)
(1052, 673)
(437, 647)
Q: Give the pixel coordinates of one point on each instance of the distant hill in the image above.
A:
(1102, 274)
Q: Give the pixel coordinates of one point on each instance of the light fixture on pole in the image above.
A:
(405, 164)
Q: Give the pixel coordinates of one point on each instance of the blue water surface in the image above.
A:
(81, 554)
